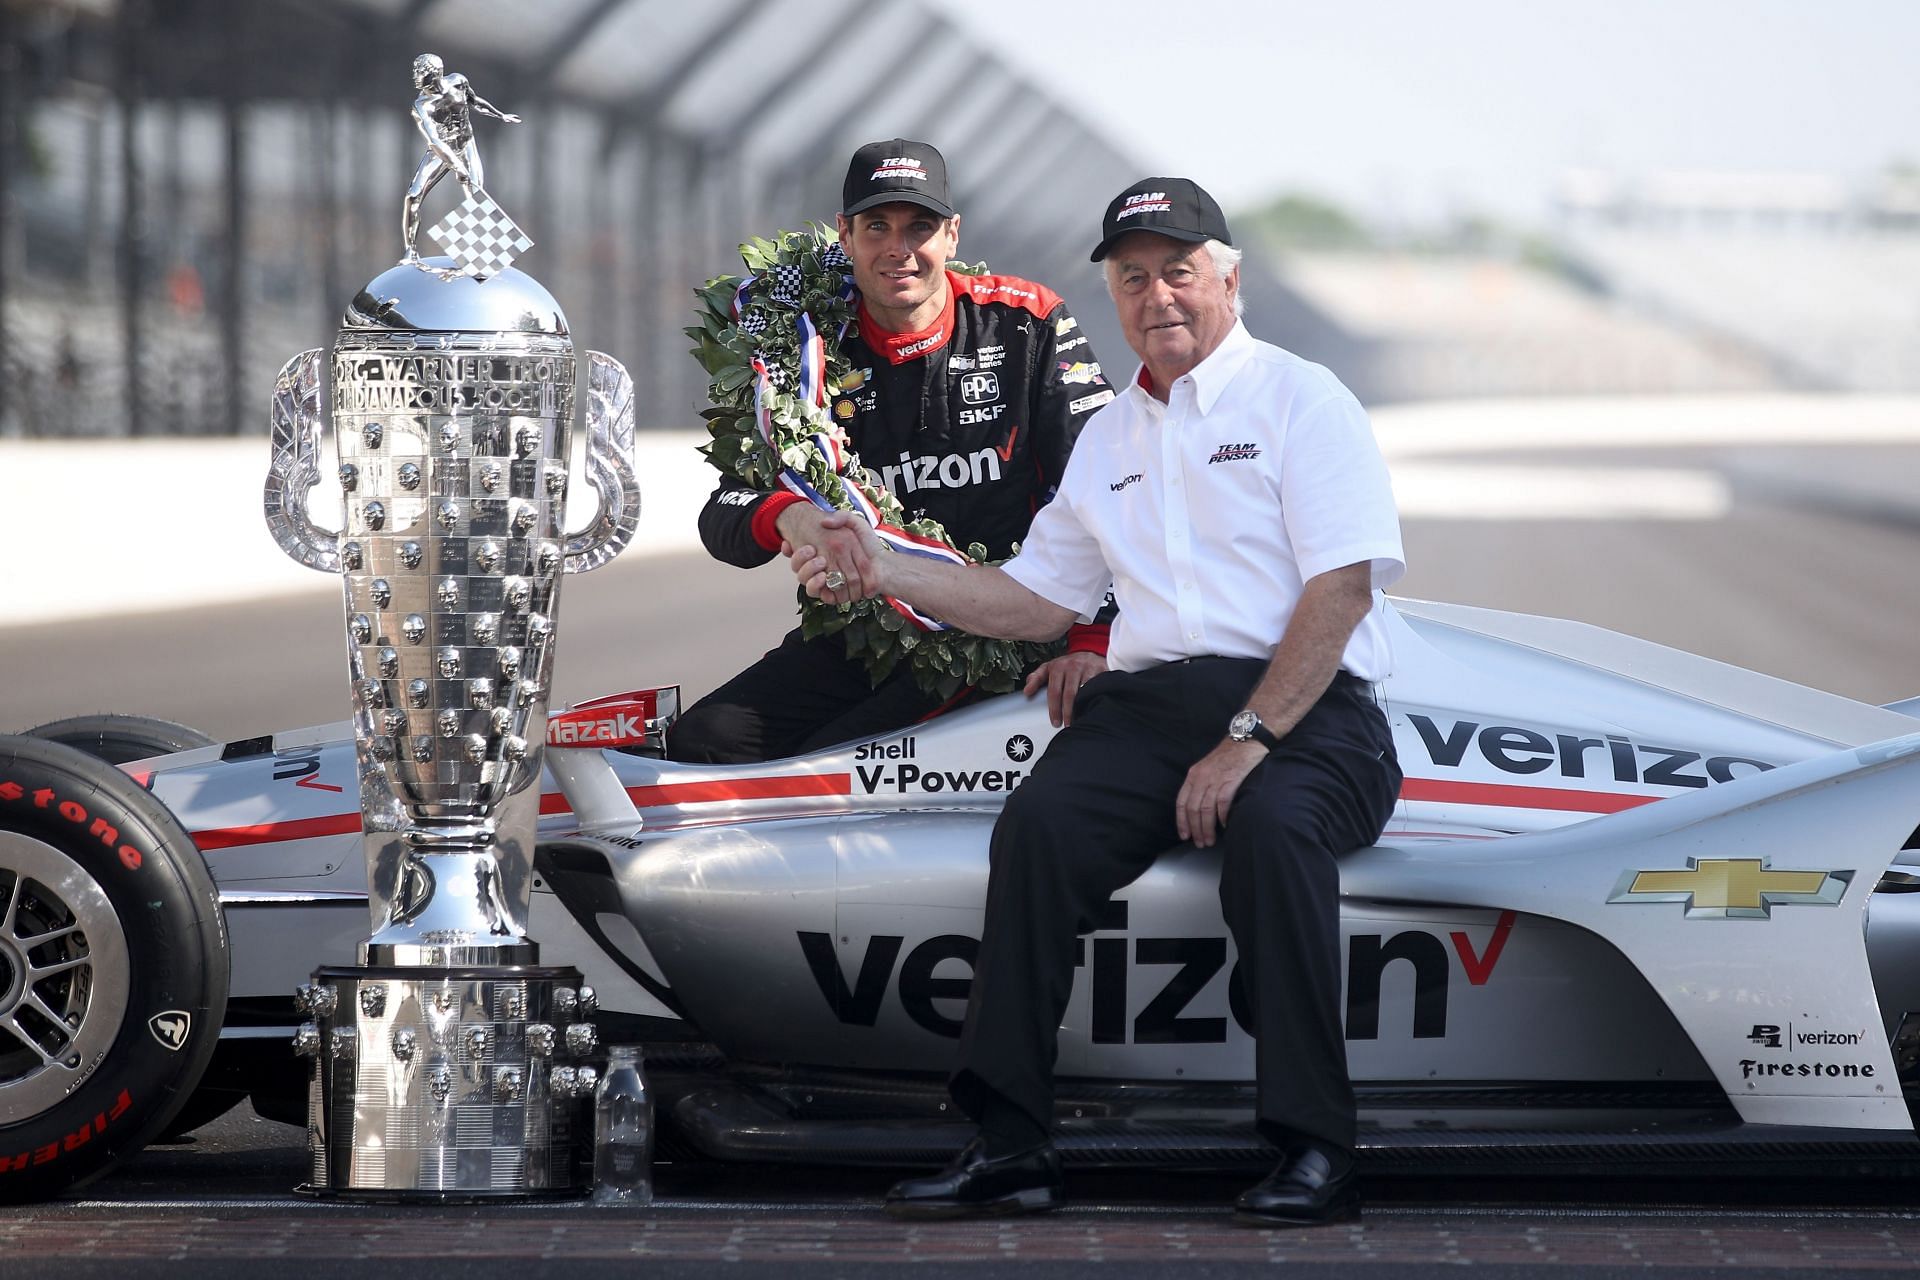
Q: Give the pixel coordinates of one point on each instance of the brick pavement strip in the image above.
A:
(1737, 1243)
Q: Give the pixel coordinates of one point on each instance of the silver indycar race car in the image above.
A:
(1635, 909)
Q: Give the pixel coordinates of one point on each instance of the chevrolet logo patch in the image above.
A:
(1733, 888)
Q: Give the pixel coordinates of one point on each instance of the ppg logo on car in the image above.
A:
(980, 388)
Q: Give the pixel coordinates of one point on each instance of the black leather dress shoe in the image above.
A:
(974, 1186)
(1313, 1184)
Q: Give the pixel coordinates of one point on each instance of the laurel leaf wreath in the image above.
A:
(796, 272)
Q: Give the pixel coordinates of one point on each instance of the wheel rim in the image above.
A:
(64, 975)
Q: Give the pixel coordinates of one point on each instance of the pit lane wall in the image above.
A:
(98, 528)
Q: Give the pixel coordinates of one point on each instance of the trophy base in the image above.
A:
(449, 1084)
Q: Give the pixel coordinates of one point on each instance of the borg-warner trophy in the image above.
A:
(449, 1064)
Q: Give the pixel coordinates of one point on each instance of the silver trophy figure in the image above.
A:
(444, 115)
(448, 1062)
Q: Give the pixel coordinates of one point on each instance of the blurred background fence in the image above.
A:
(192, 190)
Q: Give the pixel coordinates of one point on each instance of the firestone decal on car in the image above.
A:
(73, 811)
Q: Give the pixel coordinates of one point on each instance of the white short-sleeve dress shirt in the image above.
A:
(1209, 514)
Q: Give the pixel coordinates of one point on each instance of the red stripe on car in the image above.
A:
(1506, 796)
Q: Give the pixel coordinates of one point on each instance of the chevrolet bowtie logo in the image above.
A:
(1733, 888)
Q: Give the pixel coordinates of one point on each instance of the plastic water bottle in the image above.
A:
(622, 1132)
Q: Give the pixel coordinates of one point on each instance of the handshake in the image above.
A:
(834, 555)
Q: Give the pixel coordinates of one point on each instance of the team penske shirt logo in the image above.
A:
(1234, 453)
(1144, 202)
(899, 167)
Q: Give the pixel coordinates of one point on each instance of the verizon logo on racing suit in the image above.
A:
(1512, 749)
(942, 471)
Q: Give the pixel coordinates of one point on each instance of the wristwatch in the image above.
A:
(1246, 727)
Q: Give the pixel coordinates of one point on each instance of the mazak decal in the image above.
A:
(1513, 749)
(1178, 968)
(1733, 888)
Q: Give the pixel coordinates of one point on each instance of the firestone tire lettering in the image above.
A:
(134, 851)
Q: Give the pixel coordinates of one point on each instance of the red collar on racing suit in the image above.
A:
(898, 348)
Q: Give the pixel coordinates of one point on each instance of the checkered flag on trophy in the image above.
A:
(480, 237)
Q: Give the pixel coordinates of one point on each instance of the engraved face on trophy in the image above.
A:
(451, 392)
(448, 434)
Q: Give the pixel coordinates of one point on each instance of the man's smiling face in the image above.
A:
(899, 253)
(1175, 307)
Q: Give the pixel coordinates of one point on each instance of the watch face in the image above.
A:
(1240, 728)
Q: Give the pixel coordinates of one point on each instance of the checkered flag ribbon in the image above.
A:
(753, 322)
(777, 375)
(481, 239)
(834, 258)
(787, 279)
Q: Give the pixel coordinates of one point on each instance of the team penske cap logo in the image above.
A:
(898, 169)
(1179, 208)
(1733, 888)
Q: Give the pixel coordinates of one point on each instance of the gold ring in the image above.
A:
(835, 579)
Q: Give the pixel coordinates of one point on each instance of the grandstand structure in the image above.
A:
(191, 190)
(1817, 276)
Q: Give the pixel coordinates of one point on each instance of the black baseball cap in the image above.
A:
(1176, 207)
(897, 169)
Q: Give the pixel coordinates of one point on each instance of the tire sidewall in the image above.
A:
(169, 912)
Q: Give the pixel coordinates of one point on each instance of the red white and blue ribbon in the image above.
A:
(825, 436)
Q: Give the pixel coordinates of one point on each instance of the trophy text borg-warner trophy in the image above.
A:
(448, 1062)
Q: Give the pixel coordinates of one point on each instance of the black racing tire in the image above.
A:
(113, 968)
(120, 738)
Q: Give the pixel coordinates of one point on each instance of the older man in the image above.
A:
(966, 396)
(1236, 498)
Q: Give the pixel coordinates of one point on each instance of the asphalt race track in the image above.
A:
(1808, 581)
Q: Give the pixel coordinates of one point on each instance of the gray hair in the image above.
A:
(1225, 258)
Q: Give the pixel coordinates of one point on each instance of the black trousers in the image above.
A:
(802, 696)
(1099, 806)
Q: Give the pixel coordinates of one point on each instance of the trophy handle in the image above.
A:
(609, 466)
(295, 468)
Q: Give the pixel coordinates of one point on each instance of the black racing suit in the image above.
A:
(969, 423)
